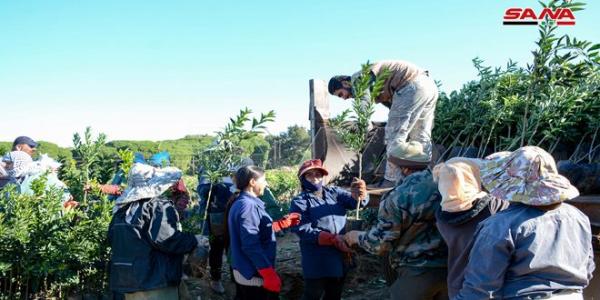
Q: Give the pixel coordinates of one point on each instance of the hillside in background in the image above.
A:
(273, 151)
(181, 150)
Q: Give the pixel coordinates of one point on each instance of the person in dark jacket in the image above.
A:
(214, 227)
(537, 248)
(464, 205)
(323, 210)
(252, 238)
(145, 235)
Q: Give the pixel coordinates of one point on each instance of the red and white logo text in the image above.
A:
(528, 16)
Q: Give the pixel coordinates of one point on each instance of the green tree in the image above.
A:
(47, 251)
(227, 149)
(553, 101)
(257, 148)
(4, 147)
(289, 148)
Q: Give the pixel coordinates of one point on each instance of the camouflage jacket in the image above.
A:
(406, 225)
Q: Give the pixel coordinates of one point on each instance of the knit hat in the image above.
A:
(459, 183)
(528, 175)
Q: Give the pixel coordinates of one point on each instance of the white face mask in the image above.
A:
(233, 188)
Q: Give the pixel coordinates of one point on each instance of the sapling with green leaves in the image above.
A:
(553, 101)
(127, 157)
(86, 153)
(352, 126)
(227, 151)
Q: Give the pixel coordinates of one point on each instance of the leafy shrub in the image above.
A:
(46, 250)
(284, 184)
(554, 102)
(50, 252)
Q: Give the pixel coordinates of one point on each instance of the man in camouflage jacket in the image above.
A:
(407, 234)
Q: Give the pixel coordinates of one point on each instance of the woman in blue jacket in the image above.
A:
(323, 210)
(252, 238)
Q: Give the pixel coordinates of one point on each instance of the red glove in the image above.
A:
(70, 204)
(271, 281)
(330, 239)
(293, 219)
(110, 189)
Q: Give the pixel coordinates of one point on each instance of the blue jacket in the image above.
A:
(524, 251)
(326, 213)
(251, 237)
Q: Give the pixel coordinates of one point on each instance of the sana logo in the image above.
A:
(528, 16)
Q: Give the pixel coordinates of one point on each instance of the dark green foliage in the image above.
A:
(230, 147)
(4, 147)
(232, 144)
(91, 164)
(284, 184)
(554, 101)
(46, 250)
(257, 148)
(289, 148)
(182, 150)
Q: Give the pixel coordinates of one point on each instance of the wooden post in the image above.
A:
(318, 116)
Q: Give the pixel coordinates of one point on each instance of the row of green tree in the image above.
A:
(288, 148)
(552, 102)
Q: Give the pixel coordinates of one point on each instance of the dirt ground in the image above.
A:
(364, 282)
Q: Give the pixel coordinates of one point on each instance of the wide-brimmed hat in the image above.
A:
(528, 175)
(312, 164)
(459, 183)
(409, 154)
(145, 181)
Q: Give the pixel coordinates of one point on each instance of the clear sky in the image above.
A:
(164, 69)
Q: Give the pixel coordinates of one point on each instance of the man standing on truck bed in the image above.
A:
(411, 96)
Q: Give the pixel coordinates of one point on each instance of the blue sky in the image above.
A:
(164, 69)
